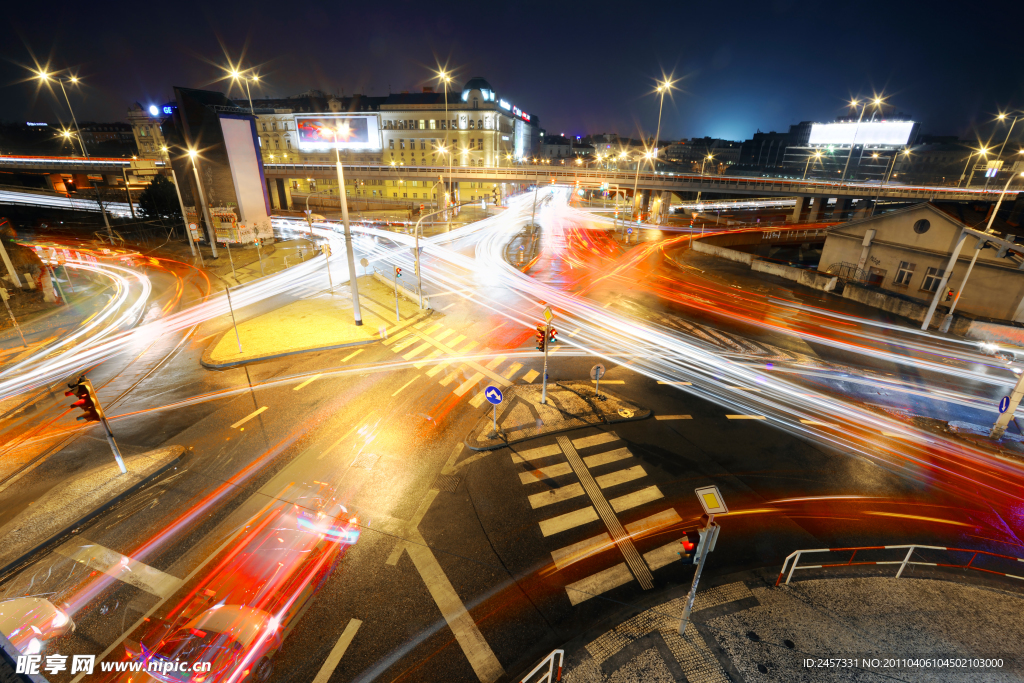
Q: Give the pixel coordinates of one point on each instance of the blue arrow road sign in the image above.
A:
(1004, 403)
(629, 231)
(493, 394)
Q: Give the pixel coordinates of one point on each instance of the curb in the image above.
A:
(69, 530)
(232, 364)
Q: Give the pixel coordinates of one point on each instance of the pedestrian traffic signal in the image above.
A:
(552, 333)
(398, 272)
(87, 400)
(691, 546)
(541, 337)
(949, 294)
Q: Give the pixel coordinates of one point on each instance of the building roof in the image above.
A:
(414, 98)
(477, 83)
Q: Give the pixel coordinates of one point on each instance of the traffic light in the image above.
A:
(552, 334)
(398, 272)
(949, 294)
(541, 337)
(325, 248)
(87, 400)
(691, 546)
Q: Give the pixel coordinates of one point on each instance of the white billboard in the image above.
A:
(338, 131)
(246, 176)
(863, 133)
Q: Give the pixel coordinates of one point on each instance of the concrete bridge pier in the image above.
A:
(801, 204)
(841, 206)
(817, 211)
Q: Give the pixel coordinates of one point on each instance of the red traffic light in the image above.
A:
(87, 400)
(552, 334)
(398, 272)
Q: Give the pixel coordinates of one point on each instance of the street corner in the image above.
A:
(524, 413)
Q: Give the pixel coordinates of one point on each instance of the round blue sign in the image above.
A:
(629, 231)
(493, 394)
(1004, 404)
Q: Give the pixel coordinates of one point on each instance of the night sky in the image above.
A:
(581, 67)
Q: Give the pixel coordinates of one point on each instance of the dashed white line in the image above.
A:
(248, 417)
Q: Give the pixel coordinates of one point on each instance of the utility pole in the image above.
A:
(348, 241)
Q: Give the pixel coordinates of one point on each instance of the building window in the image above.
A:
(289, 143)
(471, 124)
(932, 277)
(479, 124)
(275, 125)
(480, 143)
(423, 124)
(391, 144)
(921, 227)
(904, 273)
(277, 144)
(401, 144)
(433, 124)
(423, 144)
(476, 103)
(471, 143)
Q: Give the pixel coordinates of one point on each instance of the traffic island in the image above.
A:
(317, 324)
(75, 501)
(570, 405)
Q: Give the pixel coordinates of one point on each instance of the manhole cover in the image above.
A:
(626, 412)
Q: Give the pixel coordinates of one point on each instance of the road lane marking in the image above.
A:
(469, 346)
(636, 499)
(642, 527)
(498, 360)
(413, 524)
(673, 417)
(605, 510)
(512, 370)
(343, 437)
(549, 472)
(438, 368)
(536, 453)
(569, 520)
(815, 423)
(575, 332)
(476, 649)
(398, 391)
(571, 554)
(443, 335)
(417, 351)
(452, 376)
(449, 305)
(433, 328)
(745, 388)
(588, 441)
(351, 355)
(478, 400)
(684, 384)
(248, 417)
(307, 382)
(468, 384)
(562, 493)
(530, 376)
(598, 583)
(331, 663)
(405, 343)
(609, 381)
(455, 341)
(894, 435)
(663, 556)
(391, 340)
(607, 457)
(606, 481)
(420, 324)
(122, 568)
(745, 417)
(429, 357)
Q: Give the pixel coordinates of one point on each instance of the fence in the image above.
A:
(904, 563)
(551, 674)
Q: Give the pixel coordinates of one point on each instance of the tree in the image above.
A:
(159, 200)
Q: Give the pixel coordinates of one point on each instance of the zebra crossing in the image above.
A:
(425, 341)
(732, 343)
(582, 484)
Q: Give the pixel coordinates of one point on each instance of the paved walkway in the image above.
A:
(324, 321)
(853, 628)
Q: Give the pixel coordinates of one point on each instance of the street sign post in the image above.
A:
(325, 249)
(5, 296)
(596, 373)
(494, 397)
(548, 315)
(711, 500)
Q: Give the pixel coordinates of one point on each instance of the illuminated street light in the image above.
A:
(816, 156)
(194, 156)
(663, 87)
(237, 75)
(980, 152)
(445, 78)
(877, 101)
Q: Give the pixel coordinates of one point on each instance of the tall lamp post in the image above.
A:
(1002, 117)
(193, 155)
(46, 77)
(636, 180)
(445, 79)
(816, 157)
(237, 75)
(878, 103)
(981, 152)
(343, 133)
(885, 180)
(663, 87)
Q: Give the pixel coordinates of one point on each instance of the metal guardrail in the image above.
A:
(551, 674)
(904, 563)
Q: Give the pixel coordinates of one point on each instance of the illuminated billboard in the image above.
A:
(863, 133)
(343, 131)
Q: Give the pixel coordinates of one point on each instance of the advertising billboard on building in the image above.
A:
(342, 131)
(246, 175)
(863, 133)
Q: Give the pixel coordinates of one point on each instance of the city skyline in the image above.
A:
(727, 88)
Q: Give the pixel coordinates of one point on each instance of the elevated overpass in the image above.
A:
(524, 174)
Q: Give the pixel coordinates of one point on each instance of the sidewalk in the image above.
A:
(570, 405)
(868, 625)
(315, 324)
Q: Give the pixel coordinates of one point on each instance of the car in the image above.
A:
(30, 622)
(238, 617)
